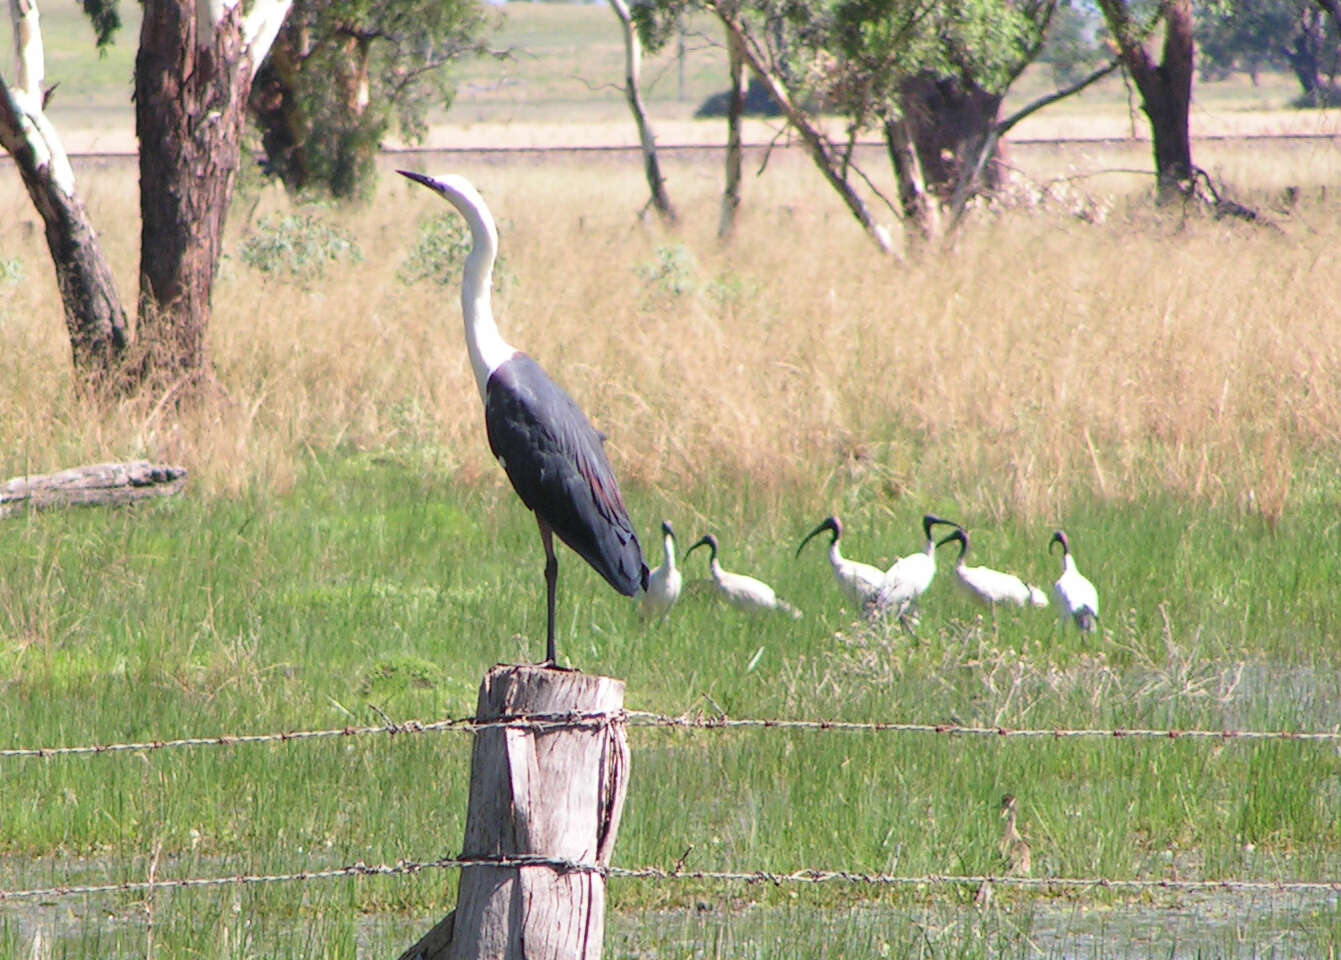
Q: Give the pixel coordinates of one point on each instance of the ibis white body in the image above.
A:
(664, 582)
(910, 577)
(1077, 600)
(859, 582)
(741, 591)
(992, 587)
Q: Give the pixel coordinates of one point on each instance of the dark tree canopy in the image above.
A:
(344, 74)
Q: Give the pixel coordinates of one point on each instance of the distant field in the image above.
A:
(558, 85)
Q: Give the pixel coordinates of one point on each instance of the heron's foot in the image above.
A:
(552, 665)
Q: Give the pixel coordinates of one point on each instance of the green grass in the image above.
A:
(371, 584)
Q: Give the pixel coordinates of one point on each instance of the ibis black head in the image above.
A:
(930, 520)
(666, 529)
(709, 540)
(828, 523)
(958, 533)
(1060, 537)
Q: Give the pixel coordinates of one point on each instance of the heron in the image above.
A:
(663, 583)
(991, 587)
(553, 456)
(1077, 600)
(742, 592)
(910, 576)
(860, 582)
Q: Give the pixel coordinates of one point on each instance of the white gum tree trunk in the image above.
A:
(633, 52)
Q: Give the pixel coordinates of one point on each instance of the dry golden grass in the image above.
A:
(1045, 358)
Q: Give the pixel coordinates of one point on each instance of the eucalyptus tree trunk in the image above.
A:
(94, 316)
(656, 183)
(919, 210)
(735, 111)
(1165, 87)
(949, 119)
(193, 75)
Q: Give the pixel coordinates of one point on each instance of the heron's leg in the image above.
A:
(551, 583)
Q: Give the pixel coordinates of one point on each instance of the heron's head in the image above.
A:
(457, 190)
(828, 523)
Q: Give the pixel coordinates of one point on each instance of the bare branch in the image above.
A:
(1004, 126)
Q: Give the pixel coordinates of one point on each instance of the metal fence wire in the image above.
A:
(639, 718)
(690, 722)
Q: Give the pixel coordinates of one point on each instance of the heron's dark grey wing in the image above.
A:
(557, 465)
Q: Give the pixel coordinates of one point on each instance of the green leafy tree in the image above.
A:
(1071, 48)
(930, 74)
(343, 74)
(1249, 35)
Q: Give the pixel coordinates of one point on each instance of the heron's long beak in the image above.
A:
(423, 178)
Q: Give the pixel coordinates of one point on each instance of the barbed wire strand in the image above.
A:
(637, 718)
(803, 876)
(539, 722)
(545, 722)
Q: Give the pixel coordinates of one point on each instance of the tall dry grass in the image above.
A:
(1043, 359)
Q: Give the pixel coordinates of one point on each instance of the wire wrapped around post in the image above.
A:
(555, 791)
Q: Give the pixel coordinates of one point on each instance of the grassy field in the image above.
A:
(1164, 387)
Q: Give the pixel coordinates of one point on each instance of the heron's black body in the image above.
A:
(551, 453)
(556, 461)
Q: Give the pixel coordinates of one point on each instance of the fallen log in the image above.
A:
(98, 484)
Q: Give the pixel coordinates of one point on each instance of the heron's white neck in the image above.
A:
(486, 346)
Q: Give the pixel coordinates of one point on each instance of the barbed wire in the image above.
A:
(535, 721)
(678, 873)
(639, 718)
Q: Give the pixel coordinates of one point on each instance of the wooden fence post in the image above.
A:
(553, 792)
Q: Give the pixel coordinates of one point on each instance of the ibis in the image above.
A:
(1077, 600)
(663, 583)
(553, 456)
(910, 576)
(991, 587)
(742, 592)
(860, 582)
